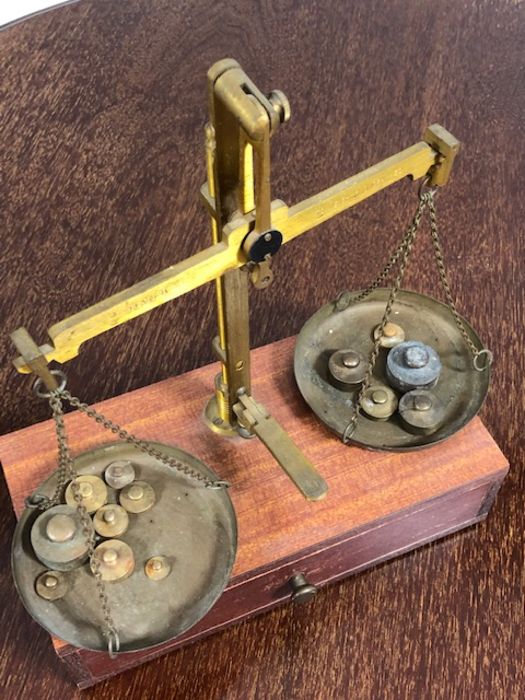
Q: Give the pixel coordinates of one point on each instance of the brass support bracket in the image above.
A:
(254, 417)
(33, 357)
(447, 146)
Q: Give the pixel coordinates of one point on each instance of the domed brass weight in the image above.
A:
(58, 540)
(116, 560)
(111, 520)
(137, 497)
(92, 489)
(119, 474)
(51, 585)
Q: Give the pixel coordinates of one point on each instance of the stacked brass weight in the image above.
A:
(165, 548)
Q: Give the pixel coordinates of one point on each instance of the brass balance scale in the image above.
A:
(383, 368)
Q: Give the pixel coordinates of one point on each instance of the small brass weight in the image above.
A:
(382, 367)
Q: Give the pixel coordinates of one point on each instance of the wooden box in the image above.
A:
(379, 504)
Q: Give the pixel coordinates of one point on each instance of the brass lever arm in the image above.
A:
(176, 280)
(254, 417)
(415, 162)
(68, 335)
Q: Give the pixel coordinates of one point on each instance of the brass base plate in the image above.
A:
(194, 527)
(460, 387)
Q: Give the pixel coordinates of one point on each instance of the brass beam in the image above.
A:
(210, 264)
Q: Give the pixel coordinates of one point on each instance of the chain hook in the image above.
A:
(218, 485)
(424, 188)
(483, 353)
(113, 643)
(35, 500)
(48, 394)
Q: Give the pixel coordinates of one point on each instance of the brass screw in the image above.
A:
(280, 103)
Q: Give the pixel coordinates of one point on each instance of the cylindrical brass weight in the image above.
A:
(111, 520)
(157, 568)
(116, 560)
(119, 474)
(421, 411)
(51, 585)
(137, 497)
(58, 540)
(92, 489)
(347, 368)
(379, 402)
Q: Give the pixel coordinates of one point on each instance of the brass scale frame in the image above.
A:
(238, 198)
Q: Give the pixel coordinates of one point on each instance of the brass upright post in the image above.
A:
(237, 140)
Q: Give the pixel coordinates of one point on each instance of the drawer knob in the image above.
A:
(303, 591)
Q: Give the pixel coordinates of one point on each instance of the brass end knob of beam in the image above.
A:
(302, 591)
(280, 103)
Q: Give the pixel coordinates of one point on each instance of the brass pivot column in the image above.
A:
(238, 168)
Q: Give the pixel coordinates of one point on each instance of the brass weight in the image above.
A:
(116, 560)
(52, 585)
(58, 540)
(392, 335)
(137, 497)
(93, 491)
(111, 520)
(379, 402)
(157, 568)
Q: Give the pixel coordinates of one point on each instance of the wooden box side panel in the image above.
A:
(265, 591)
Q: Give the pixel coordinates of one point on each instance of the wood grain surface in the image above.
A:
(101, 114)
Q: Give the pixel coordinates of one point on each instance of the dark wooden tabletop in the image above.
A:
(101, 115)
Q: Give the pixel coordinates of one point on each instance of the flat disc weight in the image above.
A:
(460, 387)
(192, 527)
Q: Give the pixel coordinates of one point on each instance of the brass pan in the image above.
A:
(460, 387)
(193, 527)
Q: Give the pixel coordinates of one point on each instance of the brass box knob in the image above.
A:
(302, 591)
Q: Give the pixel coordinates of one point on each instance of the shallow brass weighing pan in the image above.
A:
(193, 527)
(460, 387)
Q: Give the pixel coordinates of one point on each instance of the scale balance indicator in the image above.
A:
(129, 545)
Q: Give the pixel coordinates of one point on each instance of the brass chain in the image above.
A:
(440, 262)
(66, 471)
(141, 445)
(402, 253)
